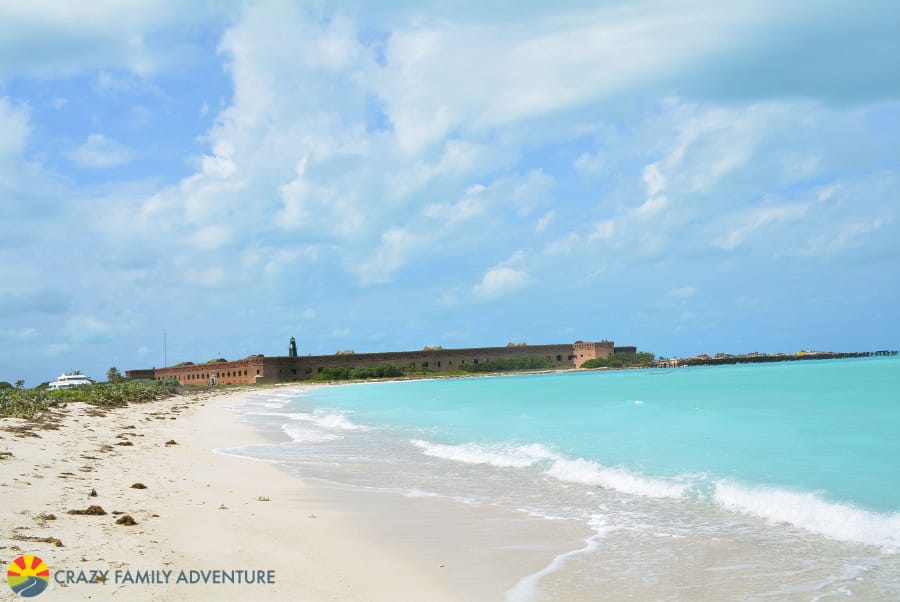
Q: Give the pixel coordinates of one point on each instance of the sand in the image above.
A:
(201, 510)
(198, 510)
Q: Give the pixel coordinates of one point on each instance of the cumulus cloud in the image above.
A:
(500, 281)
(363, 156)
(100, 152)
(48, 39)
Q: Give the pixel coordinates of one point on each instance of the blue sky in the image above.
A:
(686, 177)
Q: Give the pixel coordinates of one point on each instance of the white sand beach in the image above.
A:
(205, 511)
(200, 510)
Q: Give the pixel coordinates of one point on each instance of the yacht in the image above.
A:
(69, 380)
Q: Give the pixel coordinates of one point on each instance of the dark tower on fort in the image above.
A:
(292, 350)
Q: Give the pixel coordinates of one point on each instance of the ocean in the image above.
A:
(763, 481)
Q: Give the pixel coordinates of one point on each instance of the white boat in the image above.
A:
(69, 380)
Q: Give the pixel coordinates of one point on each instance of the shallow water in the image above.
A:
(733, 482)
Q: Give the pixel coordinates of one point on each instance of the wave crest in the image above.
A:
(587, 472)
(809, 511)
(502, 456)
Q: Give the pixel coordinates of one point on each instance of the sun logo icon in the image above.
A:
(28, 576)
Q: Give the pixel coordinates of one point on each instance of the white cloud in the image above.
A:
(211, 237)
(544, 221)
(588, 163)
(14, 123)
(89, 329)
(682, 292)
(18, 334)
(654, 179)
(140, 36)
(100, 152)
(746, 223)
(500, 281)
(397, 248)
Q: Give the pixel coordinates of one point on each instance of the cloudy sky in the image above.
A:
(686, 177)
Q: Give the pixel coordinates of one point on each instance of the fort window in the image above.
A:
(571, 357)
(439, 364)
(424, 364)
(475, 361)
(308, 370)
(320, 369)
(257, 371)
(558, 358)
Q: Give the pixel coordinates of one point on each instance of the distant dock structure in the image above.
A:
(721, 359)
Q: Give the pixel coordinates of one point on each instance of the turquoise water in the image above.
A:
(819, 426)
(797, 463)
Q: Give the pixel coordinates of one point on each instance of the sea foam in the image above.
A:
(559, 467)
(527, 588)
(809, 511)
(500, 455)
(319, 418)
(299, 433)
(588, 472)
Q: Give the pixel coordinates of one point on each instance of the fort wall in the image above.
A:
(279, 369)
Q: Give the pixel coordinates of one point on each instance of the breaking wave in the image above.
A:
(809, 511)
(559, 467)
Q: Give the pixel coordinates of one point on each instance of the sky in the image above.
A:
(181, 181)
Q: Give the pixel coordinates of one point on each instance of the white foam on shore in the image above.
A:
(527, 588)
(576, 470)
(298, 433)
(499, 455)
(588, 472)
(808, 511)
(319, 418)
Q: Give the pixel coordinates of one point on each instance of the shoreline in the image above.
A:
(200, 510)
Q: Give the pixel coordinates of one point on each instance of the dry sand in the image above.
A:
(204, 511)
(200, 510)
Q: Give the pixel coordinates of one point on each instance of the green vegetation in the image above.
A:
(32, 403)
(621, 360)
(394, 371)
(379, 371)
(510, 364)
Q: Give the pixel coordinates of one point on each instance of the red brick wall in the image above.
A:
(258, 369)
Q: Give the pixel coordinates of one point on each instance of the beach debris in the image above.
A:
(126, 520)
(4, 455)
(125, 443)
(312, 516)
(171, 442)
(43, 516)
(91, 510)
(138, 486)
(54, 540)
(93, 493)
(154, 516)
(262, 498)
(222, 507)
